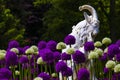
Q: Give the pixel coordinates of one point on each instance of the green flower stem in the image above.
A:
(34, 75)
(20, 76)
(50, 69)
(71, 67)
(45, 67)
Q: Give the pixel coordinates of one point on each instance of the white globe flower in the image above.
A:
(2, 51)
(38, 78)
(29, 51)
(106, 41)
(61, 45)
(2, 56)
(117, 68)
(35, 48)
(70, 51)
(110, 64)
(93, 55)
(106, 50)
(14, 50)
(97, 44)
(40, 61)
(99, 51)
(17, 72)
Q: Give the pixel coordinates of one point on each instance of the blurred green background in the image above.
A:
(29, 21)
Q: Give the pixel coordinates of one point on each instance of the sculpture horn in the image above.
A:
(90, 9)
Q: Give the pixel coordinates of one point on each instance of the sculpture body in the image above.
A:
(84, 31)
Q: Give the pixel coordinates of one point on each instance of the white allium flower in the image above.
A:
(29, 51)
(110, 64)
(93, 55)
(106, 50)
(14, 50)
(106, 41)
(99, 51)
(35, 48)
(40, 61)
(38, 78)
(97, 44)
(54, 75)
(61, 45)
(2, 51)
(117, 68)
(17, 72)
(2, 55)
(70, 51)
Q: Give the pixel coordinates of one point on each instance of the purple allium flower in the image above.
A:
(83, 74)
(25, 48)
(60, 66)
(69, 39)
(5, 73)
(57, 55)
(13, 44)
(67, 72)
(116, 76)
(44, 75)
(89, 46)
(51, 45)
(47, 55)
(106, 70)
(20, 50)
(104, 57)
(65, 56)
(113, 49)
(55, 78)
(23, 59)
(78, 57)
(118, 43)
(42, 45)
(118, 57)
(11, 58)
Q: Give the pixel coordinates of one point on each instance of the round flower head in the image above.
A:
(5, 73)
(40, 61)
(106, 41)
(25, 48)
(65, 56)
(14, 50)
(35, 48)
(110, 64)
(99, 51)
(113, 50)
(2, 51)
(69, 40)
(29, 51)
(117, 68)
(92, 55)
(47, 55)
(88, 46)
(118, 57)
(38, 78)
(106, 70)
(57, 55)
(23, 59)
(83, 74)
(60, 66)
(118, 43)
(42, 45)
(78, 57)
(106, 50)
(13, 44)
(17, 72)
(51, 45)
(115, 76)
(2, 56)
(20, 49)
(67, 72)
(97, 44)
(104, 57)
(44, 76)
(70, 51)
(11, 58)
(61, 45)
(54, 75)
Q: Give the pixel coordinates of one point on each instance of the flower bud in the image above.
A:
(110, 64)
(117, 68)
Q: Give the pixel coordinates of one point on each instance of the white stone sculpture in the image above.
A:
(84, 31)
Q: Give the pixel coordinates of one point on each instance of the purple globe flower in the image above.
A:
(60, 66)
(89, 46)
(104, 57)
(21, 51)
(44, 75)
(113, 49)
(65, 56)
(106, 70)
(47, 55)
(25, 48)
(13, 44)
(78, 57)
(5, 74)
(57, 55)
(67, 72)
(116, 76)
(118, 57)
(51, 45)
(83, 74)
(69, 39)
(23, 59)
(118, 43)
(42, 45)
(11, 58)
